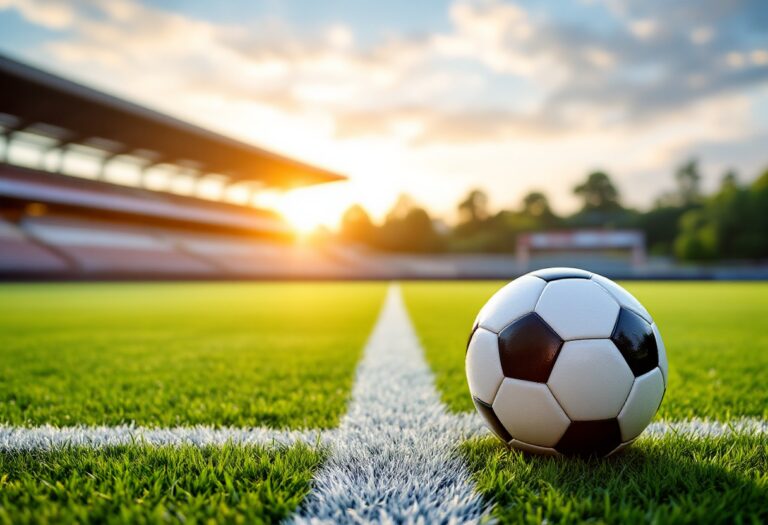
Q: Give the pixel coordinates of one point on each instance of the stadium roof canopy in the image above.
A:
(39, 102)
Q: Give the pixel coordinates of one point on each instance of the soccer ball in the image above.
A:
(564, 361)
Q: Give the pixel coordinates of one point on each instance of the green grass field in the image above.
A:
(240, 354)
(277, 355)
(718, 353)
(143, 484)
(283, 355)
(670, 480)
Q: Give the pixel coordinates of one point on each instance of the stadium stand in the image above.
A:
(56, 223)
(112, 248)
(22, 256)
(71, 193)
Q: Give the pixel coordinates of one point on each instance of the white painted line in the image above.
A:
(468, 424)
(48, 437)
(393, 458)
(473, 425)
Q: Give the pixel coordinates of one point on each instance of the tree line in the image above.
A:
(731, 223)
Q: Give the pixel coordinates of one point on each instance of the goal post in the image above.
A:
(574, 241)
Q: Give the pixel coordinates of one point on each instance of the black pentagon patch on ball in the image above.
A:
(590, 438)
(528, 349)
(634, 338)
(492, 419)
(554, 274)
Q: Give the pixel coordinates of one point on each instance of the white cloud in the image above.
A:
(643, 28)
(735, 59)
(759, 57)
(600, 58)
(48, 13)
(490, 32)
(340, 37)
(702, 35)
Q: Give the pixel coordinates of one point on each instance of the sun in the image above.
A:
(308, 209)
(303, 219)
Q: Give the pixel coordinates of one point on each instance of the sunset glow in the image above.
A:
(306, 210)
(306, 213)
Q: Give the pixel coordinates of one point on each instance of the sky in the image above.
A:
(434, 98)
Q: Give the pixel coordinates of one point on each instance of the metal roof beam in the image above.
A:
(37, 96)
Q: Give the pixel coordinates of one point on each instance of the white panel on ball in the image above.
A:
(530, 413)
(533, 449)
(483, 365)
(511, 302)
(621, 447)
(578, 309)
(623, 297)
(663, 364)
(591, 379)
(643, 401)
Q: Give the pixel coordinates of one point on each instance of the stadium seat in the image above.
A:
(255, 257)
(111, 248)
(28, 185)
(20, 255)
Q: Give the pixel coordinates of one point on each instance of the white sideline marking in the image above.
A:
(49, 437)
(393, 457)
(690, 429)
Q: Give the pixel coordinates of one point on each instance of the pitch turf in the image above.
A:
(144, 484)
(239, 354)
(283, 355)
(670, 480)
(277, 355)
(718, 353)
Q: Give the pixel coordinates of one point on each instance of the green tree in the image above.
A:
(400, 208)
(409, 228)
(356, 226)
(731, 224)
(697, 240)
(536, 204)
(688, 181)
(474, 208)
(598, 193)
(536, 207)
(661, 226)
(761, 183)
(758, 207)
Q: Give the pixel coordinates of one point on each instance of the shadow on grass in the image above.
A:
(674, 480)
